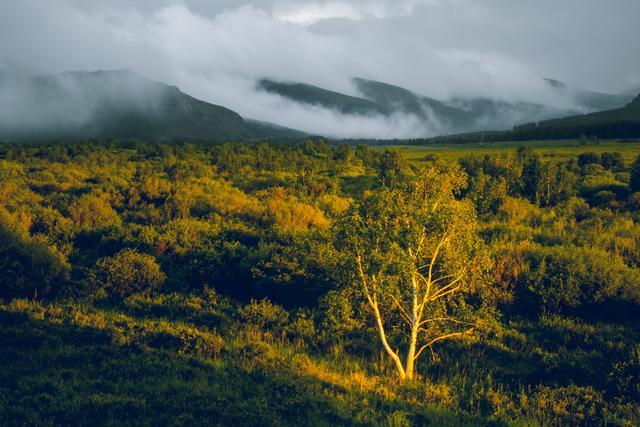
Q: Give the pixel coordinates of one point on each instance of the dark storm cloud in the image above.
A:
(216, 50)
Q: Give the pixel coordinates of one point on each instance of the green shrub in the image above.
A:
(265, 315)
(571, 405)
(624, 378)
(126, 273)
(339, 314)
(560, 277)
(28, 268)
(93, 212)
(302, 328)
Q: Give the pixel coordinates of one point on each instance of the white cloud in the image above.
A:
(310, 13)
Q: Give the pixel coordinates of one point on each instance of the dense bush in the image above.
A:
(265, 315)
(558, 278)
(28, 267)
(93, 211)
(126, 273)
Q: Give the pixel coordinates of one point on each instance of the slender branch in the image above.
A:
(363, 279)
(440, 279)
(414, 255)
(434, 256)
(429, 285)
(429, 279)
(440, 338)
(450, 290)
(438, 319)
(403, 312)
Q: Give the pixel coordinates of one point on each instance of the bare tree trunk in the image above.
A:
(373, 302)
(383, 337)
(415, 322)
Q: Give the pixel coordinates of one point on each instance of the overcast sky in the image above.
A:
(216, 49)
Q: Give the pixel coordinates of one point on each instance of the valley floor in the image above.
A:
(553, 150)
(194, 284)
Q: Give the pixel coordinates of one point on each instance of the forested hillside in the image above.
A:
(266, 284)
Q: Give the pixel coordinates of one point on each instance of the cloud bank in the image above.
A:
(216, 51)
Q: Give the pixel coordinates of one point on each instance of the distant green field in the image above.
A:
(557, 150)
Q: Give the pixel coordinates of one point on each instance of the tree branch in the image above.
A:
(438, 319)
(403, 312)
(440, 338)
(447, 290)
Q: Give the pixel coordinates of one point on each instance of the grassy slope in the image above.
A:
(137, 364)
(191, 363)
(67, 364)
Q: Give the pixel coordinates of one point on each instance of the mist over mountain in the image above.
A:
(123, 104)
(439, 117)
(590, 101)
(115, 104)
(619, 123)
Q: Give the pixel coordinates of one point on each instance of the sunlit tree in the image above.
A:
(413, 252)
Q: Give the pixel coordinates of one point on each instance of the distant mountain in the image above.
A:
(262, 129)
(115, 104)
(124, 105)
(313, 95)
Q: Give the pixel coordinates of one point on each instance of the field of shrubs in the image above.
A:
(235, 284)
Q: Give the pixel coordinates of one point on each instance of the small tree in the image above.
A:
(390, 165)
(413, 251)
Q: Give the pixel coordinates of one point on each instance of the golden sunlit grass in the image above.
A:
(331, 375)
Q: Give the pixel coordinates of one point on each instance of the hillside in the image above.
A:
(616, 123)
(115, 104)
